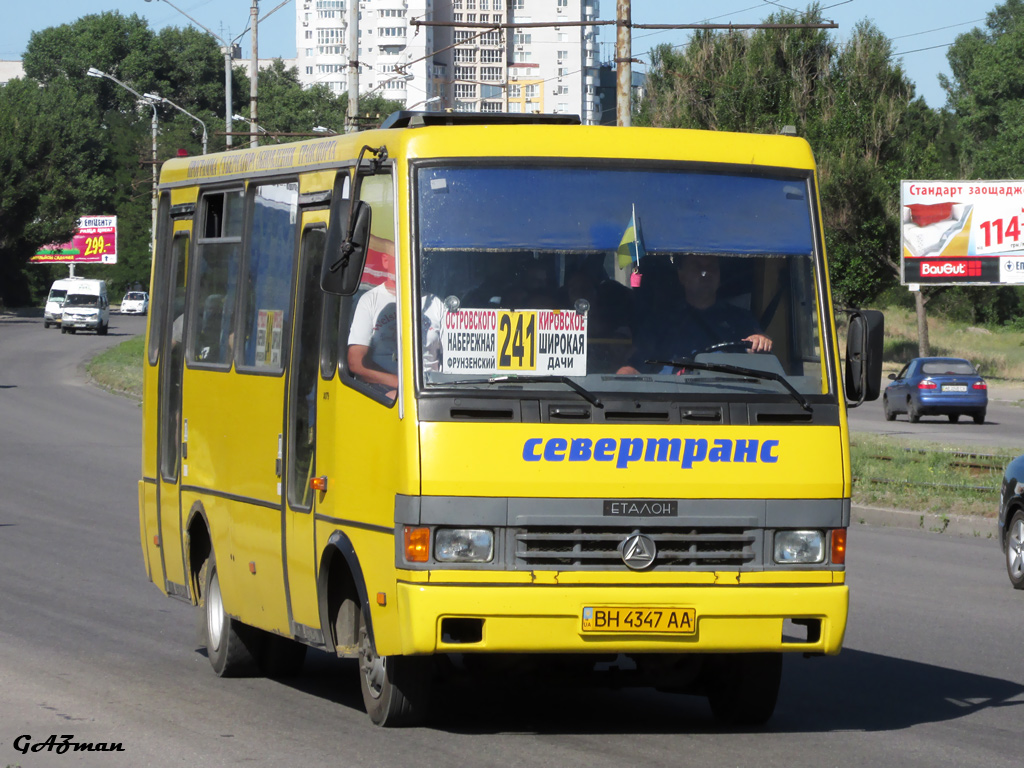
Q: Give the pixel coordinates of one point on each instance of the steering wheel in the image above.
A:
(725, 346)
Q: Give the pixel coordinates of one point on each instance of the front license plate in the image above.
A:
(681, 621)
(954, 388)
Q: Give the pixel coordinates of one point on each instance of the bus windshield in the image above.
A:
(618, 277)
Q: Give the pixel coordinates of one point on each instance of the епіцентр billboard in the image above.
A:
(94, 242)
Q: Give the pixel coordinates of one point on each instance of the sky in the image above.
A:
(920, 39)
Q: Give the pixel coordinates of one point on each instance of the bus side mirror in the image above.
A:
(864, 340)
(347, 238)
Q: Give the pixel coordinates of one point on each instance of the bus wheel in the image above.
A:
(230, 645)
(743, 688)
(395, 688)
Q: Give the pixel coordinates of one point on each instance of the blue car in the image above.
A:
(939, 386)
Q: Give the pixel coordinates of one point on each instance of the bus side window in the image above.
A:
(266, 311)
(369, 328)
(217, 266)
(330, 333)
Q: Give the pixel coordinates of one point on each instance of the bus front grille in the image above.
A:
(583, 548)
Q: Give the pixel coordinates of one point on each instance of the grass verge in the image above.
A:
(119, 369)
(926, 477)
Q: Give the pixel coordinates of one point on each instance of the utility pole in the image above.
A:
(353, 67)
(623, 42)
(254, 22)
(623, 63)
(227, 48)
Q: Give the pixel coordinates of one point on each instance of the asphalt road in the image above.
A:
(1003, 427)
(930, 675)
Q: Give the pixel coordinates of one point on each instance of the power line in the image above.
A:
(891, 39)
(918, 50)
(937, 29)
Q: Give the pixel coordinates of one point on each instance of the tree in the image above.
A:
(119, 45)
(985, 99)
(852, 102)
(987, 95)
(51, 169)
(73, 145)
(287, 107)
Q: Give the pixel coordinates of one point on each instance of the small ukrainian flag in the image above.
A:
(631, 247)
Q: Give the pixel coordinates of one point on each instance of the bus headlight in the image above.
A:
(463, 545)
(799, 547)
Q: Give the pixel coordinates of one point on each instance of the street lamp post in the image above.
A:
(227, 48)
(93, 72)
(254, 128)
(424, 103)
(156, 97)
(254, 21)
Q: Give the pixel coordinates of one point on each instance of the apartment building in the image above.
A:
(474, 65)
(9, 70)
(554, 69)
(394, 58)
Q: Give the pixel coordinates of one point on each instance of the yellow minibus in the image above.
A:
(485, 388)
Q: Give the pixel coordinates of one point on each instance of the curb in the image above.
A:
(969, 526)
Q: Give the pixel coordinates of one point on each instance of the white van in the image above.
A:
(55, 299)
(86, 306)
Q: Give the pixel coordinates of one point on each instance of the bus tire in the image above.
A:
(395, 689)
(231, 646)
(744, 687)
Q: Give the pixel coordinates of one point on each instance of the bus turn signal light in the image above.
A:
(318, 483)
(839, 546)
(417, 545)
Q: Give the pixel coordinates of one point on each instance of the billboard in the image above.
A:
(94, 242)
(962, 232)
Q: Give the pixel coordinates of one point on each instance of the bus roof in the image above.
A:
(453, 135)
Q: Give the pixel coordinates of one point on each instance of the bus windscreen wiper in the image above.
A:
(738, 371)
(582, 391)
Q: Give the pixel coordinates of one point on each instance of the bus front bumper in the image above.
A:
(549, 619)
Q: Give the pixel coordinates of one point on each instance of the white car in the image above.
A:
(135, 303)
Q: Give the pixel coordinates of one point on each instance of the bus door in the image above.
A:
(302, 401)
(170, 421)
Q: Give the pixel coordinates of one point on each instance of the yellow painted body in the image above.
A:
(467, 460)
(269, 554)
